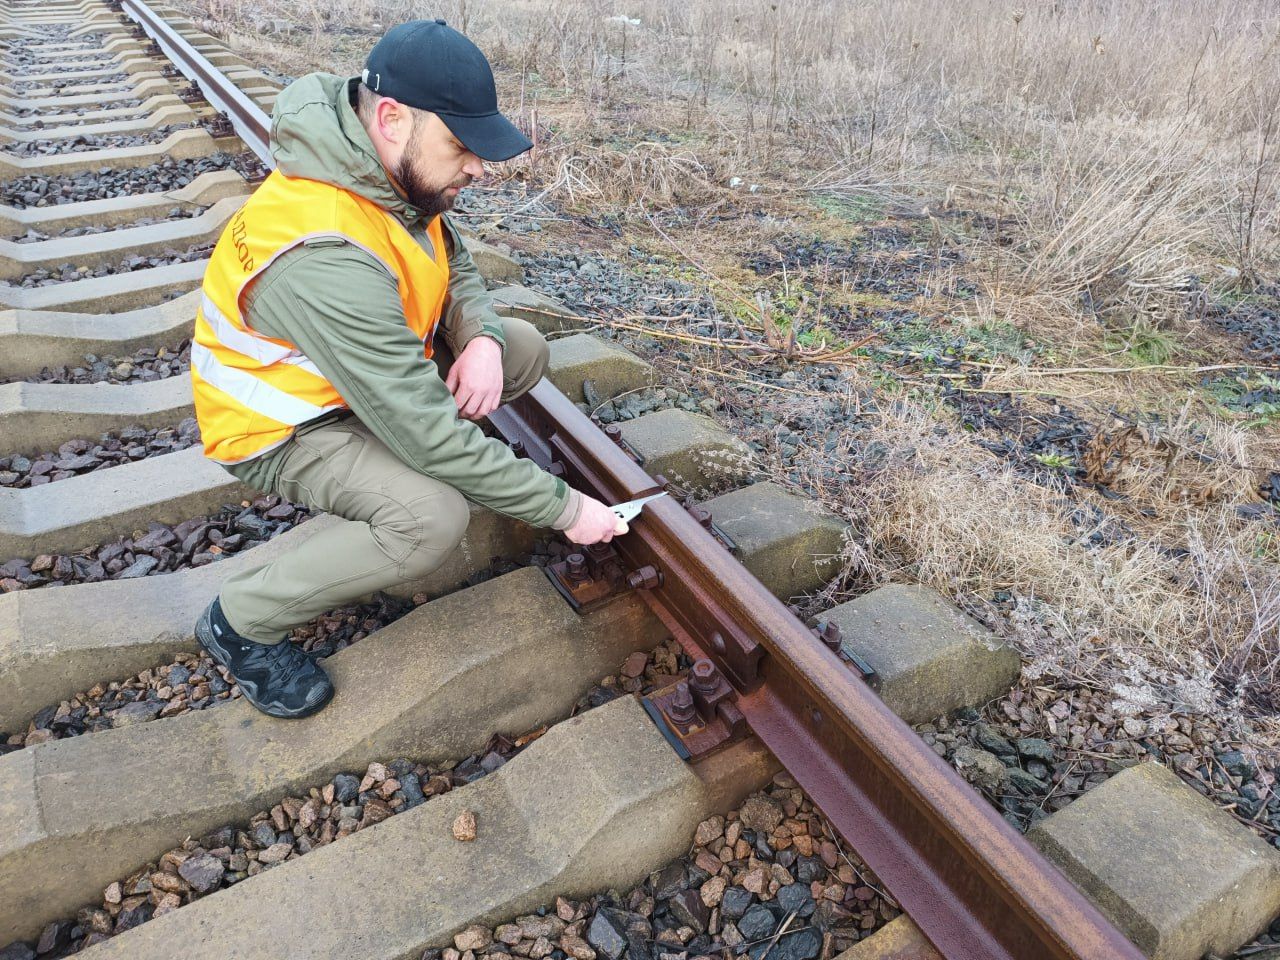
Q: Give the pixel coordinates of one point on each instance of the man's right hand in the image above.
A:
(596, 523)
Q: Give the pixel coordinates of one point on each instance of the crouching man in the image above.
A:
(312, 362)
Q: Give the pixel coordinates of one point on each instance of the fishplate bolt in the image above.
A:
(646, 578)
(614, 433)
(829, 632)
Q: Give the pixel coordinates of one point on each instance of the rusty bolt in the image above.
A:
(702, 515)
(613, 432)
(705, 677)
(517, 447)
(646, 578)
(828, 632)
(576, 565)
(682, 709)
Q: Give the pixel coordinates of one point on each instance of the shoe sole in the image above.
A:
(204, 636)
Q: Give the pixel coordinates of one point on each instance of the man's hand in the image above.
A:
(475, 379)
(596, 523)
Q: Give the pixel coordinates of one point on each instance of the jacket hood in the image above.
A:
(316, 134)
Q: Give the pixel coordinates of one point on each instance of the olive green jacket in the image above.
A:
(340, 307)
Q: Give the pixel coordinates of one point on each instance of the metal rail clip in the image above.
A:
(698, 715)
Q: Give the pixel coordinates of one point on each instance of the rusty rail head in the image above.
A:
(249, 120)
(972, 883)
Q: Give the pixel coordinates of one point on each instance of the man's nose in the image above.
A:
(474, 167)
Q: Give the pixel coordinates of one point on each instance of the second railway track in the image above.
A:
(148, 812)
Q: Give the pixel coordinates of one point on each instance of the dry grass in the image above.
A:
(1130, 143)
(1164, 634)
(646, 175)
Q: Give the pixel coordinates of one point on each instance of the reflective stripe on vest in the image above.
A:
(251, 391)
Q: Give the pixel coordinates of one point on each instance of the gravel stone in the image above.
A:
(346, 787)
(761, 814)
(758, 922)
(668, 881)
(797, 897)
(473, 938)
(203, 872)
(1033, 748)
(804, 944)
(609, 941)
(988, 739)
(137, 712)
(1025, 782)
(464, 828)
(980, 768)
(264, 835)
(735, 902)
(688, 908)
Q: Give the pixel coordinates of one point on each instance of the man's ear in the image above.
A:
(393, 120)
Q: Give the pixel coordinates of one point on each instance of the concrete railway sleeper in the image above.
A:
(600, 800)
(597, 801)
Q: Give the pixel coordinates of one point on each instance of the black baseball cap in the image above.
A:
(428, 65)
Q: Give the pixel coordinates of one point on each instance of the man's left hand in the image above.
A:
(475, 379)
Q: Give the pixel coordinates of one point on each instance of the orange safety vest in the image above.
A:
(252, 391)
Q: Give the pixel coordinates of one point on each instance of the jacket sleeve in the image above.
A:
(468, 308)
(341, 308)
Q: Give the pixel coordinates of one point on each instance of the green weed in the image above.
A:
(1144, 345)
(1054, 461)
(859, 208)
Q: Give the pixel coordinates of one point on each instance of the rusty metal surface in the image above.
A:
(250, 122)
(975, 887)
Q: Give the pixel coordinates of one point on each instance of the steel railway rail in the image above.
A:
(974, 886)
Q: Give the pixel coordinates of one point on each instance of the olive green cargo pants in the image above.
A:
(399, 524)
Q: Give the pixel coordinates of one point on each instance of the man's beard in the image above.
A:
(427, 198)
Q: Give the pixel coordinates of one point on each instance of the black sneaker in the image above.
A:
(277, 678)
